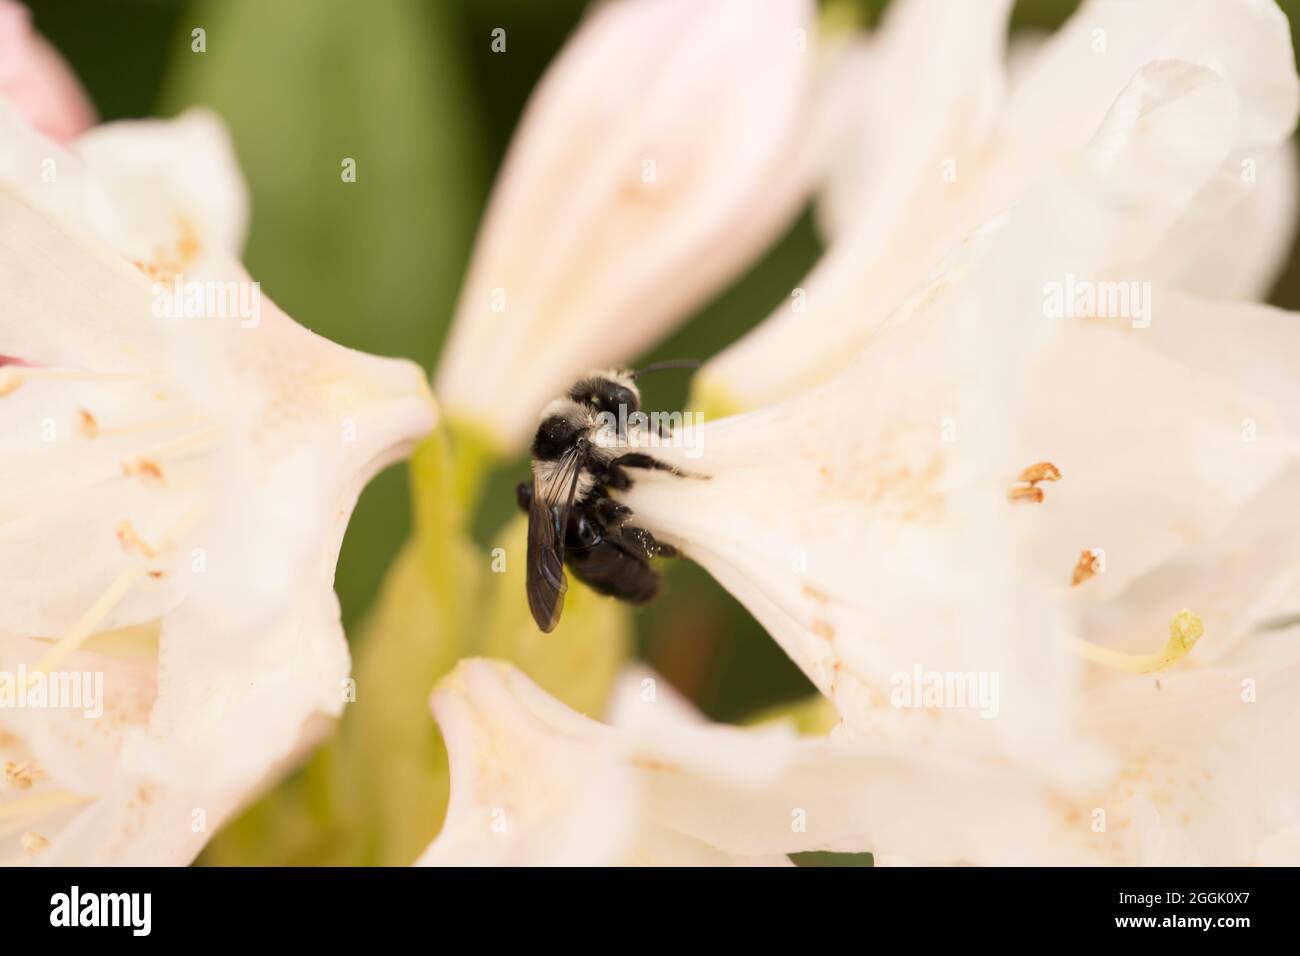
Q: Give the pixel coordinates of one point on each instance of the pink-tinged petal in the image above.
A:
(37, 81)
(662, 151)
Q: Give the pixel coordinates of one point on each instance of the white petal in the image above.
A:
(527, 788)
(1245, 578)
(68, 301)
(222, 692)
(1253, 348)
(860, 537)
(80, 746)
(1209, 757)
(562, 789)
(533, 782)
(1081, 68)
(1236, 239)
(163, 194)
(1247, 42)
(157, 180)
(1280, 849)
(927, 100)
(68, 435)
(928, 86)
(1120, 422)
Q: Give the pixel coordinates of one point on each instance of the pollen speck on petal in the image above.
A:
(33, 842)
(143, 468)
(87, 424)
(21, 774)
(1041, 471)
(131, 540)
(1025, 493)
(1085, 568)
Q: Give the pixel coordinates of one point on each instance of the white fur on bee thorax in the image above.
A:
(606, 444)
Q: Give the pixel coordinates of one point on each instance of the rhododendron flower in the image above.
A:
(173, 493)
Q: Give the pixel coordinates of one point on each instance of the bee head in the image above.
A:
(608, 391)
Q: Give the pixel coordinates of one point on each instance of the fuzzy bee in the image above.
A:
(583, 448)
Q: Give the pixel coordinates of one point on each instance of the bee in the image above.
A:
(583, 449)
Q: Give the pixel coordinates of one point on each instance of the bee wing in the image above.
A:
(546, 582)
(548, 517)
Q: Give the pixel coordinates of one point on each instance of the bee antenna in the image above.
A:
(666, 366)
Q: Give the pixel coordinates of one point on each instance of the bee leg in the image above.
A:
(613, 517)
(612, 514)
(663, 549)
(524, 495)
(646, 543)
(649, 462)
(616, 478)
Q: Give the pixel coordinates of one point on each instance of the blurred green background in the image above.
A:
(411, 90)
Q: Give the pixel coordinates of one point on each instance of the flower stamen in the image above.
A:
(87, 424)
(15, 815)
(24, 372)
(1025, 493)
(157, 424)
(21, 775)
(88, 622)
(1084, 568)
(104, 604)
(184, 446)
(133, 642)
(32, 842)
(1031, 476)
(1041, 471)
(1184, 631)
(143, 468)
(131, 541)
